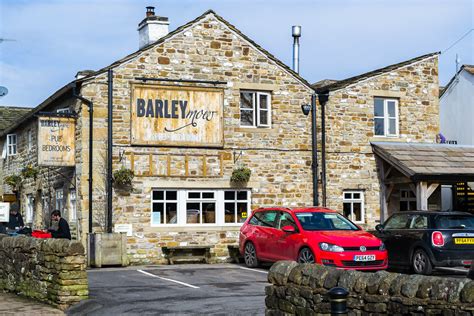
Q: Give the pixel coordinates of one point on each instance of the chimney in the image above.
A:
(152, 28)
(296, 33)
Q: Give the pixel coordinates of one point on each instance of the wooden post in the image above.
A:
(150, 165)
(204, 165)
(132, 161)
(383, 189)
(422, 196)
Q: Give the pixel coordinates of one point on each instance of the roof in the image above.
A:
(10, 115)
(468, 68)
(349, 81)
(434, 212)
(421, 161)
(91, 74)
(323, 83)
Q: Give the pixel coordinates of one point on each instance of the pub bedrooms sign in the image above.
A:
(176, 116)
(56, 141)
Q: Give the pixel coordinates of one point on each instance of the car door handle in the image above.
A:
(397, 235)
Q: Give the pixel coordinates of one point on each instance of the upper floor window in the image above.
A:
(385, 117)
(63, 111)
(255, 109)
(353, 205)
(11, 144)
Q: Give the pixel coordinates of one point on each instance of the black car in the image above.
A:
(423, 240)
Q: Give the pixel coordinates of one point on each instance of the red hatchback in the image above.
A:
(309, 235)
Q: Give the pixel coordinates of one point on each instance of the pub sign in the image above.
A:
(56, 141)
(177, 116)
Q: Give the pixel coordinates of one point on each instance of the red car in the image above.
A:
(309, 235)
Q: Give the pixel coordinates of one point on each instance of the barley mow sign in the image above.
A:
(177, 116)
(56, 145)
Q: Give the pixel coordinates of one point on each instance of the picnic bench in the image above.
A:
(187, 253)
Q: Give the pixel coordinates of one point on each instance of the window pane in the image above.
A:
(242, 195)
(397, 222)
(412, 205)
(348, 196)
(378, 107)
(264, 117)
(209, 213)
(158, 195)
(267, 218)
(229, 195)
(379, 126)
(171, 195)
(242, 212)
(192, 213)
(357, 212)
(263, 101)
(246, 118)
(286, 220)
(171, 213)
(356, 196)
(246, 100)
(391, 108)
(347, 210)
(157, 215)
(229, 212)
(392, 127)
(208, 195)
(194, 195)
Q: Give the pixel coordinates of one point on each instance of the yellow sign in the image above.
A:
(56, 141)
(177, 116)
(460, 241)
(244, 214)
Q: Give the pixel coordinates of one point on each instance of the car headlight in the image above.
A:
(382, 247)
(330, 247)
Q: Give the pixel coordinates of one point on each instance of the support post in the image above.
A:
(422, 196)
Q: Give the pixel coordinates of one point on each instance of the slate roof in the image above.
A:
(9, 115)
(421, 161)
(468, 68)
(323, 83)
(349, 81)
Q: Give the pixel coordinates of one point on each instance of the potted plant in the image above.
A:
(29, 172)
(241, 175)
(13, 181)
(123, 177)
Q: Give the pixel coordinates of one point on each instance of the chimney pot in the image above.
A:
(150, 11)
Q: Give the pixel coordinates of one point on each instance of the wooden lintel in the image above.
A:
(397, 180)
(431, 189)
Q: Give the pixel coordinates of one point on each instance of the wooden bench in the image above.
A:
(234, 253)
(187, 253)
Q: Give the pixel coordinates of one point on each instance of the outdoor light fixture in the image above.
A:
(306, 108)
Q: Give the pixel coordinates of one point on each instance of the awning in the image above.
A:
(428, 162)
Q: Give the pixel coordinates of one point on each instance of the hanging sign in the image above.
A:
(177, 116)
(4, 212)
(56, 141)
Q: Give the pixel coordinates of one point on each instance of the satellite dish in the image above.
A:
(3, 91)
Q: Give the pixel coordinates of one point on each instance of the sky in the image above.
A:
(53, 39)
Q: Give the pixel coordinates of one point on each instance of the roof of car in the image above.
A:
(435, 212)
(297, 209)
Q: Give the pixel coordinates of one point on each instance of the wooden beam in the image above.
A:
(389, 191)
(204, 165)
(431, 189)
(413, 188)
(150, 165)
(132, 162)
(397, 180)
(422, 196)
(383, 188)
(387, 173)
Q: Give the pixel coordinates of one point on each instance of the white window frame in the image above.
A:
(12, 141)
(63, 110)
(407, 199)
(72, 206)
(256, 109)
(30, 204)
(59, 199)
(386, 118)
(236, 202)
(353, 200)
(30, 140)
(183, 199)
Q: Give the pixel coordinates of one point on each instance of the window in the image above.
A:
(397, 221)
(236, 205)
(419, 222)
(11, 144)
(30, 140)
(407, 200)
(265, 218)
(30, 205)
(72, 206)
(199, 207)
(286, 219)
(353, 206)
(385, 117)
(59, 194)
(63, 111)
(313, 221)
(255, 110)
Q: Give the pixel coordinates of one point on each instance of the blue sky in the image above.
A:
(54, 39)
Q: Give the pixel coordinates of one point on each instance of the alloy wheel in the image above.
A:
(250, 255)
(421, 263)
(306, 256)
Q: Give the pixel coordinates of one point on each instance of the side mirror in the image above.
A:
(288, 229)
(379, 228)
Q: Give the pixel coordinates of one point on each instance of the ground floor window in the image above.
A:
(407, 200)
(72, 206)
(30, 205)
(353, 206)
(199, 207)
(59, 195)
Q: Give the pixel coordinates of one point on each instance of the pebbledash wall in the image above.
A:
(351, 166)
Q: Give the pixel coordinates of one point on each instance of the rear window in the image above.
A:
(325, 221)
(455, 222)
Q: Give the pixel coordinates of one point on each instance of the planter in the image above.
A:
(107, 249)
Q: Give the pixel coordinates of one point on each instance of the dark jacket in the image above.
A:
(15, 221)
(63, 230)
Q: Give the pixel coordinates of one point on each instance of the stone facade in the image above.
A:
(49, 270)
(301, 289)
(350, 161)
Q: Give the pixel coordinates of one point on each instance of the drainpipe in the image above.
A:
(314, 164)
(323, 98)
(90, 105)
(109, 150)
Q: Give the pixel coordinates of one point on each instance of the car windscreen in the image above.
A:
(324, 221)
(454, 222)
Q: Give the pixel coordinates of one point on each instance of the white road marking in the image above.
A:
(170, 280)
(453, 269)
(254, 270)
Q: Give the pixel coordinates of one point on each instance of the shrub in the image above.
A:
(13, 181)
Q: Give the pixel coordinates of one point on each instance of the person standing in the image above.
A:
(63, 227)
(16, 220)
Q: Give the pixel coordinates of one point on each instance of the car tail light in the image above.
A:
(466, 262)
(437, 239)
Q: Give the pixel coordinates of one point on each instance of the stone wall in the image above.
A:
(49, 270)
(301, 289)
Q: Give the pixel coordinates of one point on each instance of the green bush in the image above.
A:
(123, 177)
(13, 181)
(241, 174)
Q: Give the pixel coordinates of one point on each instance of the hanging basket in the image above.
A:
(241, 175)
(123, 177)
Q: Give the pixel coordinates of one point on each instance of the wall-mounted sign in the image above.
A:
(176, 116)
(56, 141)
(4, 212)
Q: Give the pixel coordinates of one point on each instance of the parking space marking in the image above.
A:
(453, 269)
(170, 280)
(266, 272)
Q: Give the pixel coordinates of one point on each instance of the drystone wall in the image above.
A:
(301, 289)
(49, 270)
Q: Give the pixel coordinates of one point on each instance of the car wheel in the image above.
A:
(421, 263)
(250, 255)
(306, 256)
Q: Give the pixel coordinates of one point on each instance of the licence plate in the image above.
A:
(464, 241)
(364, 258)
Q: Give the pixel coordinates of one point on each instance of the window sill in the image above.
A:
(253, 129)
(193, 228)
